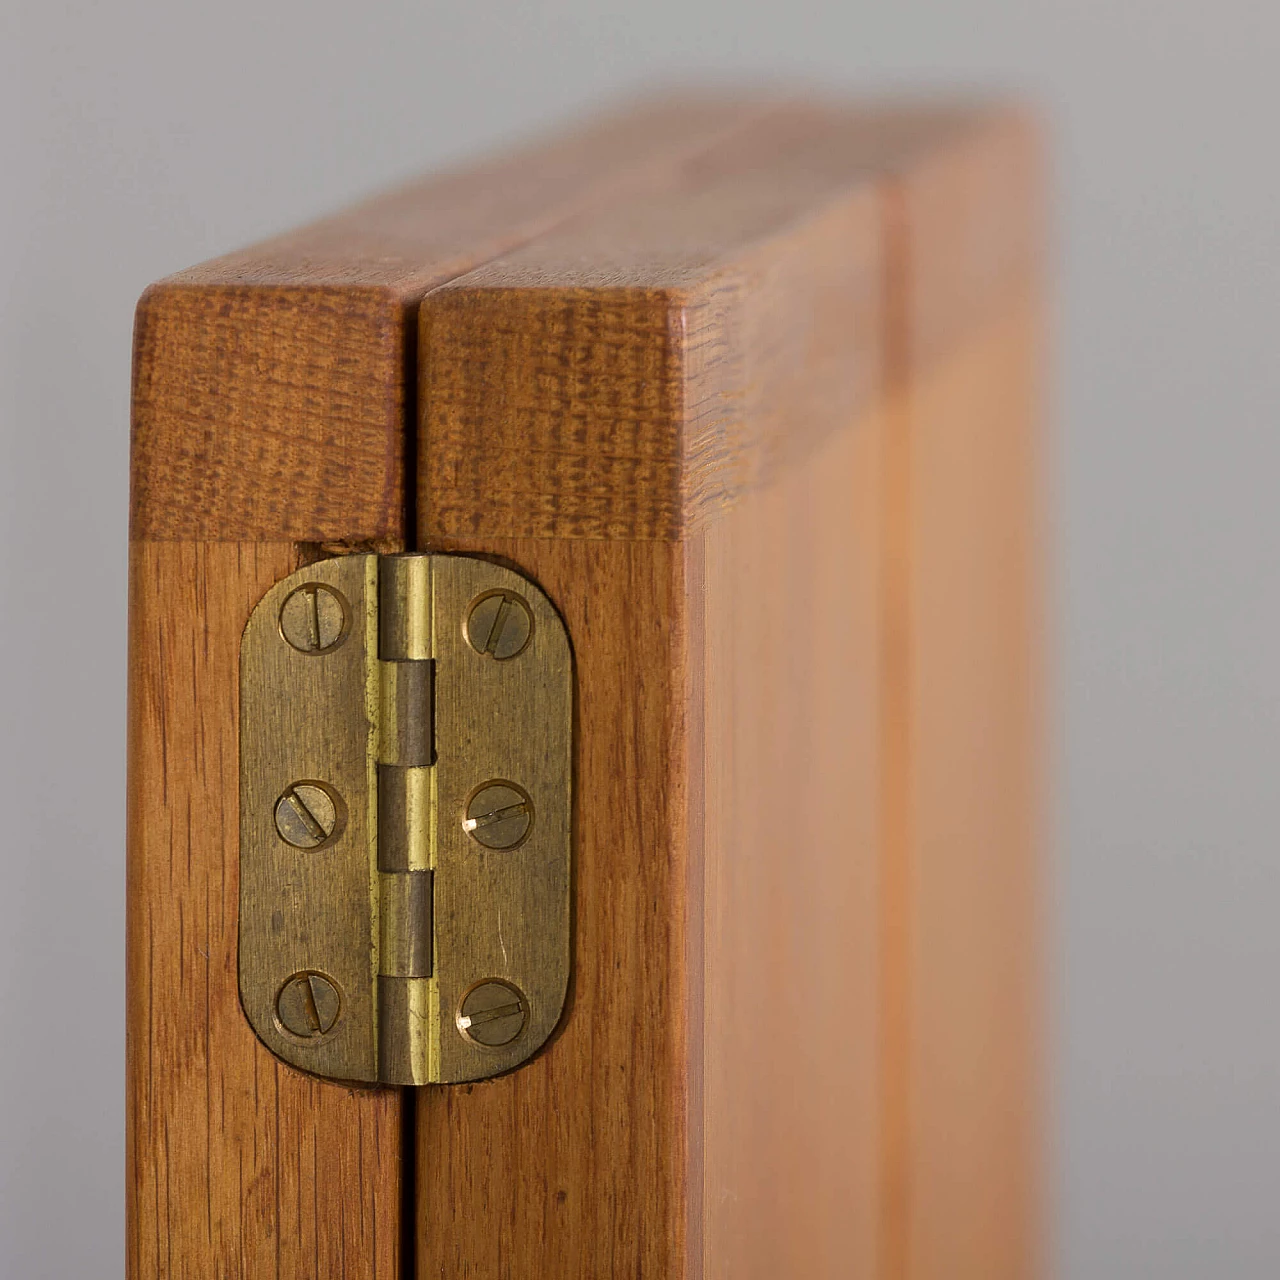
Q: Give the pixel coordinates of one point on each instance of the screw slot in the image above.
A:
(493, 1013)
(499, 815)
(315, 618)
(499, 625)
(309, 814)
(308, 1005)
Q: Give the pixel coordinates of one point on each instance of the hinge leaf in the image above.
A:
(405, 796)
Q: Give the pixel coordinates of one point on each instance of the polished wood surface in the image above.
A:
(748, 385)
(588, 402)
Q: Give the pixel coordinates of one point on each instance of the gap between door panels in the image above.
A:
(672, 177)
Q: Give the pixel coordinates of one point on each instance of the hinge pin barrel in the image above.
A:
(404, 608)
(406, 808)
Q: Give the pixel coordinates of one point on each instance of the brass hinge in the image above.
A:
(405, 794)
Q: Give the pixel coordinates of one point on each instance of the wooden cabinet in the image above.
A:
(749, 388)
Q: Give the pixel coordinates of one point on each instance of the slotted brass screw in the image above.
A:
(492, 1013)
(499, 815)
(308, 1005)
(499, 625)
(314, 618)
(306, 815)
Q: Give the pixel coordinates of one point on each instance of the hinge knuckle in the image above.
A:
(406, 1015)
(404, 608)
(405, 924)
(407, 724)
(405, 811)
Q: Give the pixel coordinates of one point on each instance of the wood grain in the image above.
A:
(575, 1165)
(974, 966)
(271, 388)
(733, 373)
(586, 403)
(635, 372)
(237, 1166)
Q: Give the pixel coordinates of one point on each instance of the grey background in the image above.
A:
(138, 138)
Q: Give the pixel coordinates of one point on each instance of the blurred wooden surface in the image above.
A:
(966, 361)
(786, 681)
(749, 387)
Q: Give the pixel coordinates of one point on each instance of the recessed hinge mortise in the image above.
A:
(405, 818)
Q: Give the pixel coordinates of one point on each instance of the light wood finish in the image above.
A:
(789, 677)
(966, 361)
(680, 1124)
(748, 387)
(733, 374)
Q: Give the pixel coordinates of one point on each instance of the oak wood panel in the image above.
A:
(238, 1167)
(788, 678)
(734, 372)
(710, 372)
(638, 371)
(585, 402)
(972, 219)
(576, 1164)
(965, 1073)
(271, 386)
(559, 406)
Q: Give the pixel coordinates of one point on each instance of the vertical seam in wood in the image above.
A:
(695, 739)
(408, 1234)
(895, 754)
(413, 442)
